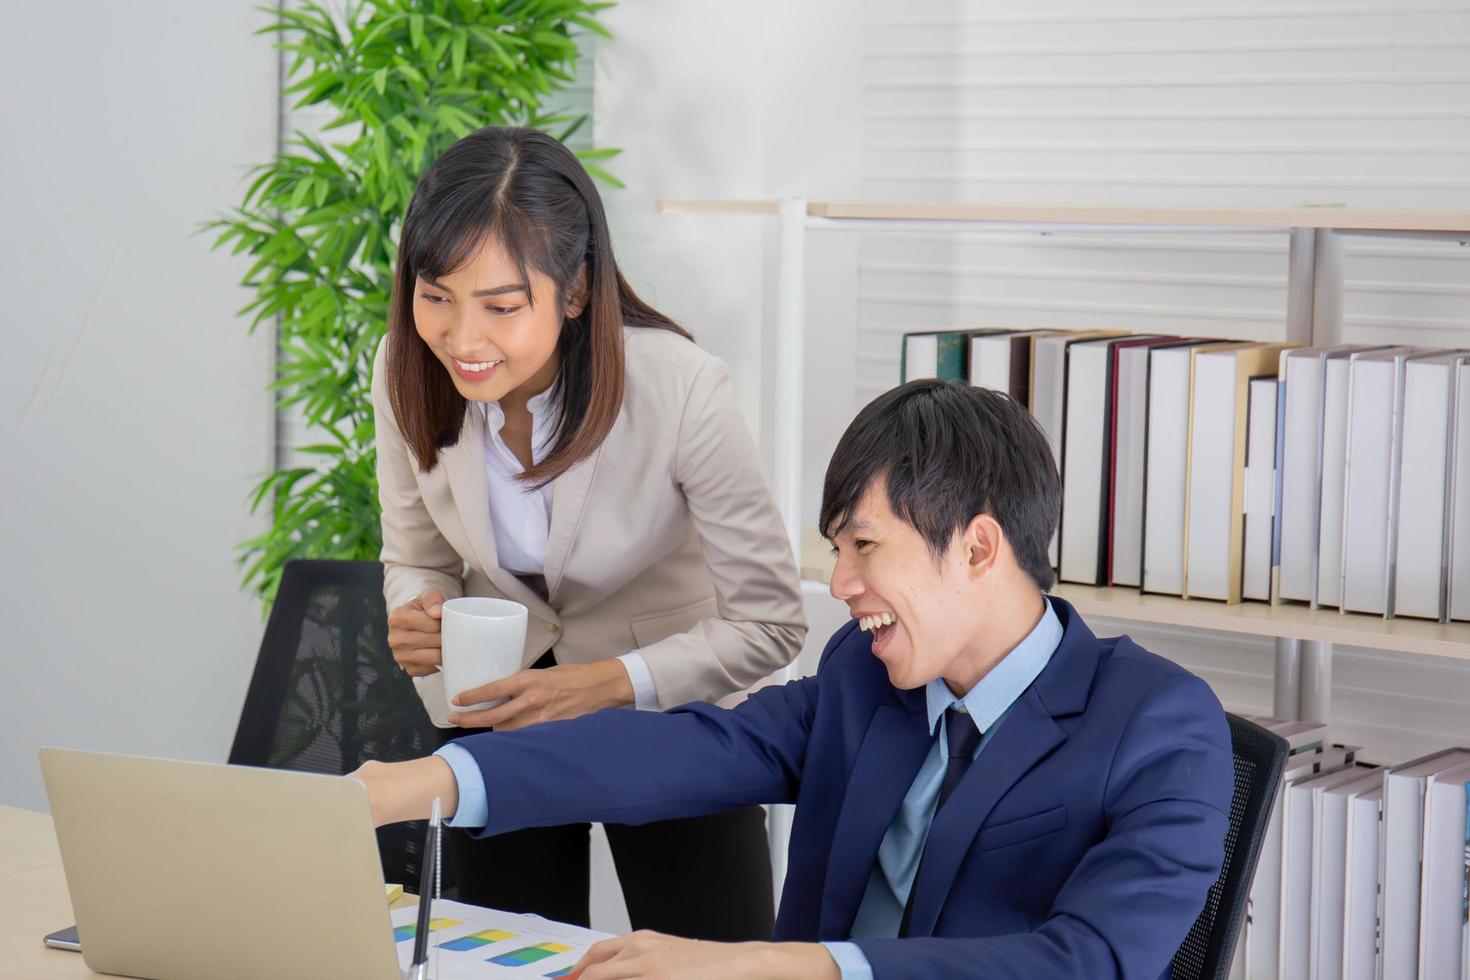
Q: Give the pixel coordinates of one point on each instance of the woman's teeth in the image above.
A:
(871, 623)
(475, 367)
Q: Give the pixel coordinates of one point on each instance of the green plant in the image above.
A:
(403, 79)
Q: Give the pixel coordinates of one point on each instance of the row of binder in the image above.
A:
(1364, 871)
(1232, 470)
(1375, 480)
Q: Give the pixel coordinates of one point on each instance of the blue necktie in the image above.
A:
(964, 737)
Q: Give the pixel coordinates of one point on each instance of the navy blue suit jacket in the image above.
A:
(1081, 843)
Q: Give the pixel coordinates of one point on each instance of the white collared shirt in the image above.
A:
(521, 515)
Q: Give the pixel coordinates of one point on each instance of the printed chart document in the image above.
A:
(472, 943)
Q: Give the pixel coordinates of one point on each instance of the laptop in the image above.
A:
(192, 871)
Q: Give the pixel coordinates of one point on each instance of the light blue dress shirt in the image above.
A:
(897, 863)
(473, 810)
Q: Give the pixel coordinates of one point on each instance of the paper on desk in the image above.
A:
(473, 943)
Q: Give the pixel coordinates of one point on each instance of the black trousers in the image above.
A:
(697, 877)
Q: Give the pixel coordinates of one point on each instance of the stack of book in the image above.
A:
(1364, 870)
(1233, 470)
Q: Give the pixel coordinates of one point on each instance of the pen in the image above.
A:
(419, 969)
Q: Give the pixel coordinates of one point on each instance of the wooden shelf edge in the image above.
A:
(674, 205)
(1265, 218)
(1289, 621)
(1346, 219)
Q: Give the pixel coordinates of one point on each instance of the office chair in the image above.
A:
(326, 694)
(1260, 757)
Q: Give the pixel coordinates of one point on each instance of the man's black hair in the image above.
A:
(950, 451)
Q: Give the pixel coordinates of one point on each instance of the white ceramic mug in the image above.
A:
(482, 640)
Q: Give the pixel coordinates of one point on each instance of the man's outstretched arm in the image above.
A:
(628, 767)
(399, 791)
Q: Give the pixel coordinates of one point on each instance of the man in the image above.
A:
(983, 788)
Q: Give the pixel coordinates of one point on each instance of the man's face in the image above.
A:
(920, 612)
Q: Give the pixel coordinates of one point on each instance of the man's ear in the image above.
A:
(982, 541)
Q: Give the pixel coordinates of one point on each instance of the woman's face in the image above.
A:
(480, 322)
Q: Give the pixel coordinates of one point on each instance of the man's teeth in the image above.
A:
(871, 623)
(477, 366)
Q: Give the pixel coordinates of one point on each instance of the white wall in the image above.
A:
(719, 100)
(133, 416)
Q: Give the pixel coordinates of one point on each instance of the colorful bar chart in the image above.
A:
(409, 931)
(529, 954)
(477, 939)
(564, 971)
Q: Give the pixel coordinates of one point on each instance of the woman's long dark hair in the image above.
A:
(527, 191)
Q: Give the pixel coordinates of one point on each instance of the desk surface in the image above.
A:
(33, 899)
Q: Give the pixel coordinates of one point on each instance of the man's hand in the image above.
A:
(413, 633)
(549, 694)
(654, 955)
(399, 791)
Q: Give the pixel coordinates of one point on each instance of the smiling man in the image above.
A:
(983, 787)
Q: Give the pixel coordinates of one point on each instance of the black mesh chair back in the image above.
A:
(1260, 757)
(326, 694)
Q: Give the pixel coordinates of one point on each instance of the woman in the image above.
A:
(546, 436)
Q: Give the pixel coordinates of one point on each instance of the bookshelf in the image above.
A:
(1304, 636)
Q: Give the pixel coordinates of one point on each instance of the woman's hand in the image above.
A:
(548, 694)
(652, 954)
(413, 633)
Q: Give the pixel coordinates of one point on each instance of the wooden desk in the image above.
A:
(33, 900)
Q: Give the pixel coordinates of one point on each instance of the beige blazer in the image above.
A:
(666, 541)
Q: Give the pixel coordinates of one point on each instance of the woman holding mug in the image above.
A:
(546, 436)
